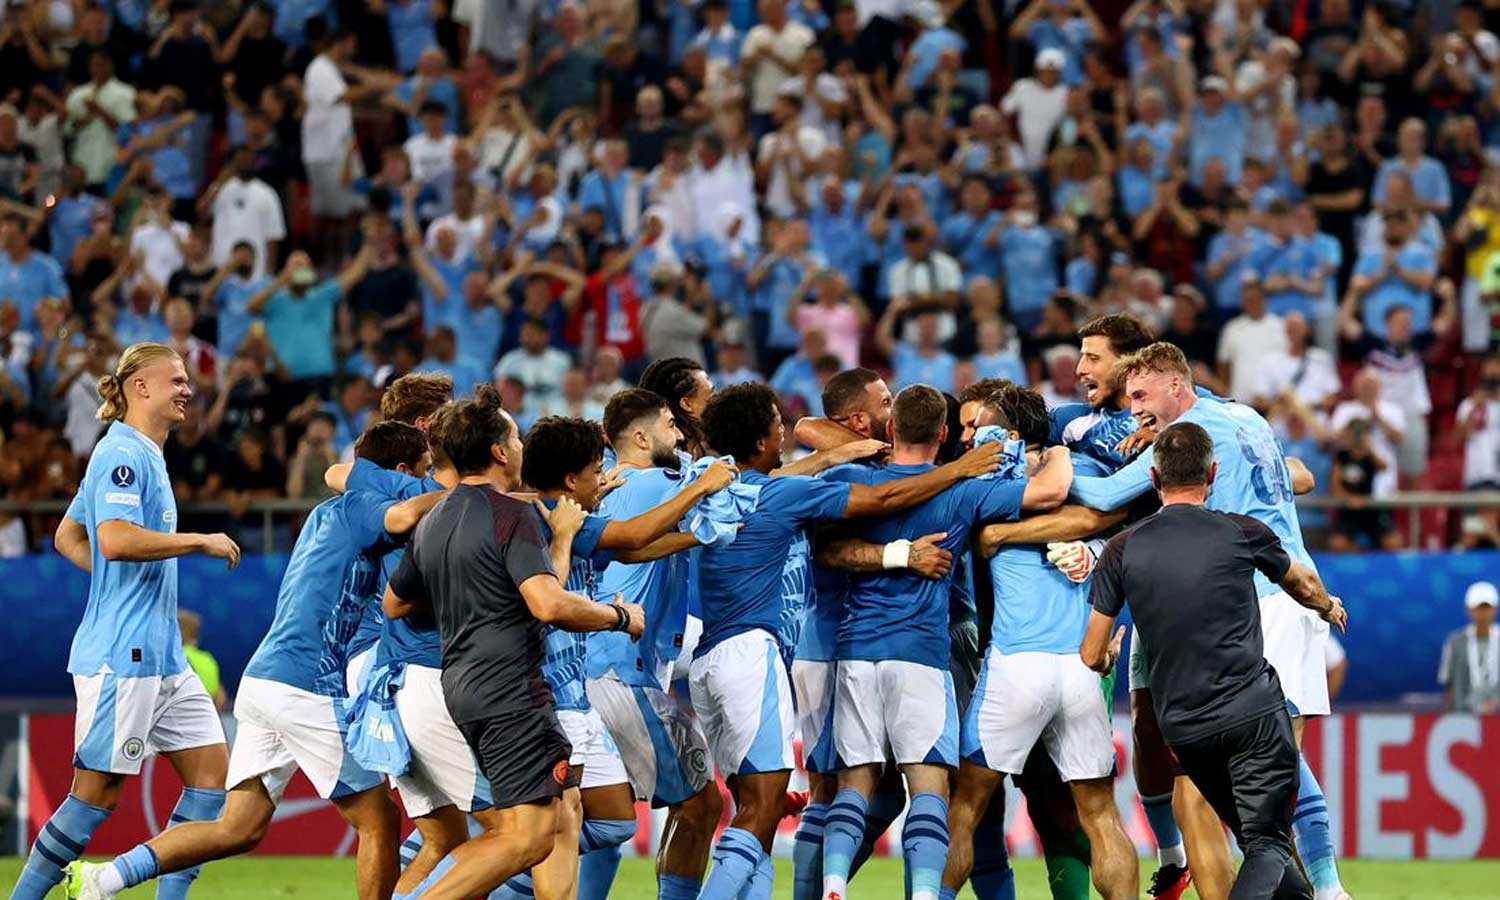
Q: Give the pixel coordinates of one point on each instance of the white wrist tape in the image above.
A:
(896, 554)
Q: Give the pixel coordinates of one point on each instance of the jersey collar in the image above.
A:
(119, 427)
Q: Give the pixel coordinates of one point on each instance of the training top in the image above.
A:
(1188, 574)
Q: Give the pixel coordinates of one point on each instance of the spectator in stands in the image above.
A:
(1399, 274)
(672, 323)
(1248, 340)
(1061, 386)
(537, 367)
(1477, 426)
(1470, 668)
(1307, 371)
(244, 210)
(1038, 103)
(315, 453)
(1429, 180)
(1356, 469)
(298, 312)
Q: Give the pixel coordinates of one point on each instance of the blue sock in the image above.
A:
(807, 853)
(736, 857)
(883, 809)
(924, 843)
(843, 829)
(758, 887)
(438, 871)
(61, 841)
(677, 887)
(1164, 828)
(992, 878)
(410, 848)
(1314, 840)
(519, 887)
(948, 893)
(136, 865)
(195, 805)
(599, 855)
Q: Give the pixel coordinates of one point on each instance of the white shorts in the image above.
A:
(894, 710)
(1294, 638)
(593, 749)
(120, 720)
(283, 729)
(355, 671)
(744, 699)
(1053, 697)
(1137, 673)
(662, 749)
(691, 633)
(813, 684)
(443, 771)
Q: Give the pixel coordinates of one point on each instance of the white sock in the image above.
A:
(109, 879)
(1329, 893)
(832, 884)
(1174, 856)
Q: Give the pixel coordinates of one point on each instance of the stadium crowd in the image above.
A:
(309, 198)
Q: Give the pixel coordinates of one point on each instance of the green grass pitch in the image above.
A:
(270, 877)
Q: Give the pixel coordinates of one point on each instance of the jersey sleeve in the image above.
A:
(1107, 586)
(586, 542)
(117, 491)
(1058, 418)
(77, 509)
(805, 499)
(364, 516)
(1111, 493)
(407, 582)
(1265, 548)
(527, 554)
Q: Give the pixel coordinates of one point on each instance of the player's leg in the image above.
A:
(1080, 739)
(110, 731)
(92, 797)
(882, 809)
(437, 834)
(973, 789)
(515, 838)
(374, 817)
(844, 829)
(608, 824)
(189, 735)
(921, 726)
(813, 686)
(1208, 853)
(556, 877)
(924, 835)
(1054, 816)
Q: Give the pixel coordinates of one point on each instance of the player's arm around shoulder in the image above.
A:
(401, 518)
(904, 493)
(1048, 487)
(1066, 523)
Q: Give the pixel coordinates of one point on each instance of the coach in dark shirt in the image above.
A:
(482, 568)
(1189, 575)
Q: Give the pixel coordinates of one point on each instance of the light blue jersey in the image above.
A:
(659, 586)
(325, 594)
(798, 595)
(900, 615)
(564, 652)
(1253, 479)
(130, 623)
(413, 639)
(741, 585)
(1094, 432)
(1037, 609)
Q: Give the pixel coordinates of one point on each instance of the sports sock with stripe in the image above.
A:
(61, 841)
(195, 805)
(807, 853)
(924, 844)
(1314, 839)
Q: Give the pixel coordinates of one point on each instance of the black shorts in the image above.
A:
(524, 755)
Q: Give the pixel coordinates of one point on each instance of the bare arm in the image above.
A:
(1303, 481)
(822, 460)
(1100, 652)
(1048, 488)
(822, 434)
(665, 545)
(923, 556)
(894, 496)
(639, 531)
(1303, 585)
(404, 516)
(551, 605)
(72, 541)
(127, 542)
(1066, 523)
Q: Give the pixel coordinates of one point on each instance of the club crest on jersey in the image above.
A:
(133, 748)
(122, 476)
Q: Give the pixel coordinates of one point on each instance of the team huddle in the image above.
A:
(527, 638)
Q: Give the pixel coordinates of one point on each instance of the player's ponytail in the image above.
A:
(112, 401)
